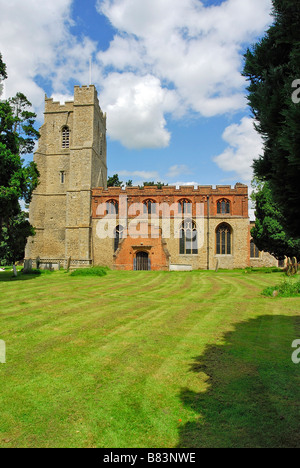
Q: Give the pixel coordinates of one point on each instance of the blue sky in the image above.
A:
(167, 74)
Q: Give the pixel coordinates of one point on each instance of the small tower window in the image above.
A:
(65, 137)
(112, 207)
(185, 207)
(149, 207)
(62, 177)
(223, 207)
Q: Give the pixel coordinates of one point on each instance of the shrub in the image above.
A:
(266, 270)
(288, 288)
(95, 271)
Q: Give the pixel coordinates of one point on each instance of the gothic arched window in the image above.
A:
(149, 206)
(224, 239)
(65, 137)
(223, 207)
(185, 207)
(188, 238)
(112, 207)
(119, 231)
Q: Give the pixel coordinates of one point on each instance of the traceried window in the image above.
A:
(149, 207)
(254, 251)
(185, 207)
(223, 207)
(224, 239)
(188, 244)
(119, 231)
(65, 137)
(112, 207)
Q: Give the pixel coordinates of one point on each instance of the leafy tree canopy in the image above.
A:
(3, 74)
(114, 181)
(17, 181)
(269, 234)
(272, 66)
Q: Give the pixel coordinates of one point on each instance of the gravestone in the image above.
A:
(68, 263)
(50, 266)
(27, 266)
(2, 352)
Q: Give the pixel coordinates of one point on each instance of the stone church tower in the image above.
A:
(71, 159)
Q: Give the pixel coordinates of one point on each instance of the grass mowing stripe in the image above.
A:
(145, 359)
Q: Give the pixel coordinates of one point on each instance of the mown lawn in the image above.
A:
(148, 359)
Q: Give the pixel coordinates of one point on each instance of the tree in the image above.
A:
(269, 234)
(272, 66)
(14, 238)
(3, 74)
(114, 181)
(17, 181)
(159, 185)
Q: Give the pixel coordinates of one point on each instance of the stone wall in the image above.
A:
(61, 206)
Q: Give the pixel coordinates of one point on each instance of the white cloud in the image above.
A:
(167, 57)
(36, 41)
(135, 107)
(177, 170)
(145, 175)
(195, 48)
(245, 145)
(62, 98)
(186, 184)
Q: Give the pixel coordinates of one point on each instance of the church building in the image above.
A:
(79, 222)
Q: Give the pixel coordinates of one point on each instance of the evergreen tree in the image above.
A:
(272, 66)
(268, 233)
(114, 181)
(17, 181)
(3, 74)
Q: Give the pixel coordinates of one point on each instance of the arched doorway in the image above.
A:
(142, 262)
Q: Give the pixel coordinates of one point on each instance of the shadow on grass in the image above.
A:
(253, 393)
(8, 276)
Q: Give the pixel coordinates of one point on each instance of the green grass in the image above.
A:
(289, 287)
(148, 359)
(95, 271)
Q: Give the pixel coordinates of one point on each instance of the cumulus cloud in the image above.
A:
(196, 49)
(145, 175)
(36, 42)
(135, 107)
(245, 144)
(166, 57)
(177, 170)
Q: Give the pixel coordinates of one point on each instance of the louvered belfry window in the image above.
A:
(65, 137)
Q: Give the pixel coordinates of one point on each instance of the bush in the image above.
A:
(95, 271)
(267, 270)
(288, 288)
